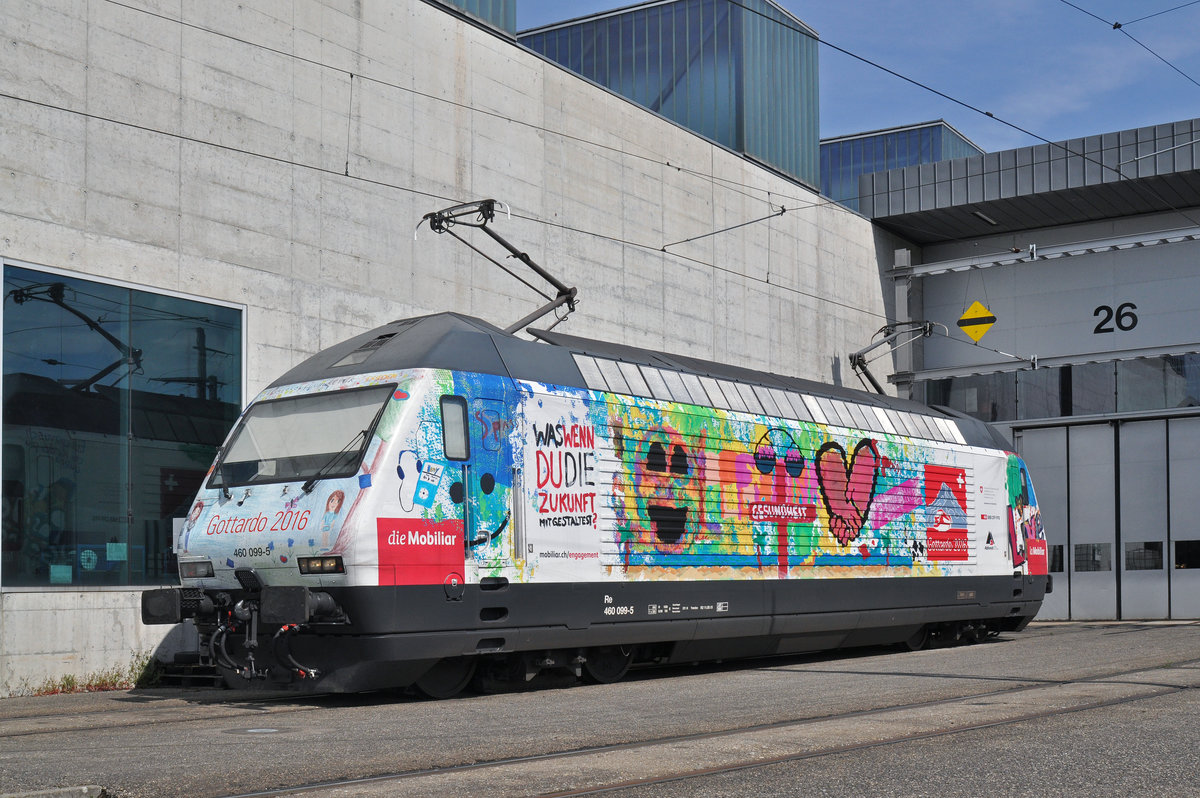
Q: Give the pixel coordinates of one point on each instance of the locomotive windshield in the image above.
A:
(305, 437)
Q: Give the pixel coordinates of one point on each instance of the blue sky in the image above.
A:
(1055, 69)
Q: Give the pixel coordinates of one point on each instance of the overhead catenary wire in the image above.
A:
(713, 266)
(364, 78)
(1160, 58)
(833, 201)
(1157, 13)
(1064, 146)
(782, 210)
(1121, 26)
(728, 184)
(805, 202)
(801, 202)
(431, 195)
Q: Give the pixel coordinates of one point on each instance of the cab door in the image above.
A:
(488, 480)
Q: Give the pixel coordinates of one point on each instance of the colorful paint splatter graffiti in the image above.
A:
(1027, 537)
(685, 486)
(538, 482)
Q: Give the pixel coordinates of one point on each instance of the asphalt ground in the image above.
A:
(1086, 709)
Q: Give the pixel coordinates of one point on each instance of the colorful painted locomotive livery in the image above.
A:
(437, 495)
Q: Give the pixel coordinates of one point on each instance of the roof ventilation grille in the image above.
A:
(365, 351)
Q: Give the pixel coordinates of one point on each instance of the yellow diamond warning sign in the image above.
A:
(976, 321)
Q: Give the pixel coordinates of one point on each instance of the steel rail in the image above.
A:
(1025, 684)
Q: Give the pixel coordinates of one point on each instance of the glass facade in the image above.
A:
(743, 74)
(1121, 386)
(844, 159)
(500, 13)
(115, 401)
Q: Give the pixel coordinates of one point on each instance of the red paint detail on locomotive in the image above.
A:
(414, 551)
(948, 546)
(1037, 557)
(937, 476)
(789, 512)
(1018, 550)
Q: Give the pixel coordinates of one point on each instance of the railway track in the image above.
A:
(626, 766)
(670, 732)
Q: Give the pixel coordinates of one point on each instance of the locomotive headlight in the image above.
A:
(321, 565)
(196, 569)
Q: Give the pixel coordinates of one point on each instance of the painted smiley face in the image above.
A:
(667, 478)
(662, 473)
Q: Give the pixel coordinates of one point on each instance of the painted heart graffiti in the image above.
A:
(848, 488)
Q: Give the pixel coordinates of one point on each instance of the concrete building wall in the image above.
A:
(88, 635)
(279, 156)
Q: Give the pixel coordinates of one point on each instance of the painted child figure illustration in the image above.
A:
(190, 524)
(333, 508)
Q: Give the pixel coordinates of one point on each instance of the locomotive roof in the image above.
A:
(464, 343)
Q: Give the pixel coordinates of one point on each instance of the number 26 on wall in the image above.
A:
(1123, 318)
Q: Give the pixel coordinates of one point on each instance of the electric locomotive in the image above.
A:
(438, 496)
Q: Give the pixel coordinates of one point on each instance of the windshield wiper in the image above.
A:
(329, 464)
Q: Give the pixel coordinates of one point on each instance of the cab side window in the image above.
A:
(455, 442)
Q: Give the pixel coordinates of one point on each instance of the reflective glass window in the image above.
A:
(455, 443)
(1093, 557)
(1040, 392)
(1056, 558)
(312, 435)
(987, 397)
(1155, 383)
(501, 13)
(741, 74)
(1144, 556)
(1187, 554)
(1093, 389)
(115, 401)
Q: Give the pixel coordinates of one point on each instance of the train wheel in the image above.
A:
(607, 664)
(447, 678)
(919, 640)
